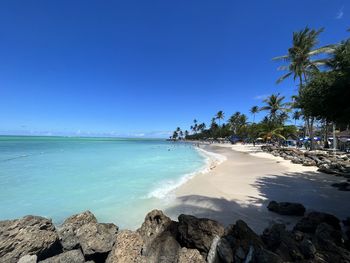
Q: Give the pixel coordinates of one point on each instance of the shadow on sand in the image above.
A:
(312, 189)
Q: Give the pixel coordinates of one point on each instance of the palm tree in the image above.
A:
(275, 106)
(301, 63)
(201, 127)
(181, 134)
(237, 121)
(301, 53)
(219, 116)
(296, 116)
(254, 110)
(194, 128)
(270, 134)
(175, 135)
(186, 133)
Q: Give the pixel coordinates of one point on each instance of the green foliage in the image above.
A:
(300, 55)
(277, 108)
(324, 95)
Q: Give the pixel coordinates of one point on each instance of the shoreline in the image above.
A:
(242, 186)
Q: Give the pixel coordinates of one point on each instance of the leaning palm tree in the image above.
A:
(275, 106)
(254, 110)
(219, 116)
(272, 134)
(301, 63)
(300, 55)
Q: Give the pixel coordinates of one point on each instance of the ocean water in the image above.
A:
(119, 180)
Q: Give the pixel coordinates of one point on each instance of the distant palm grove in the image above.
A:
(321, 105)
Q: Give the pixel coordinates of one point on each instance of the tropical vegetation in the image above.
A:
(322, 76)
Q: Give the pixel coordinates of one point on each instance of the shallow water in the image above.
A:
(119, 180)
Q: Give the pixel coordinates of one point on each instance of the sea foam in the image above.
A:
(165, 189)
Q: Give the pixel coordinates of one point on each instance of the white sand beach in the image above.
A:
(242, 186)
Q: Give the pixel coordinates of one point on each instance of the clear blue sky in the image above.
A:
(133, 68)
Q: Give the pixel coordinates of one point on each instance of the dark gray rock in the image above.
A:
(159, 235)
(73, 256)
(154, 224)
(198, 232)
(67, 232)
(328, 234)
(329, 244)
(308, 249)
(224, 251)
(309, 223)
(286, 208)
(344, 186)
(242, 240)
(30, 235)
(265, 256)
(96, 240)
(282, 242)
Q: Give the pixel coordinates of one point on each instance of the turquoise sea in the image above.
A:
(119, 180)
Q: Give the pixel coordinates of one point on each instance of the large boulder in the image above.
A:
(243, 241)
(81, 219)
(97, 240)
(198, 233)
(30, 235)
(309, 223)
(83, 231)
(329, 244)
(224, 251)
(282, 242)
(73, 256)
(127, 249)
(286, 208)
(307, 248)
(67, 231)
(154, 224)
(159, 235)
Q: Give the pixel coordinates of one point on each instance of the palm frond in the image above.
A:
(284, 57)
(284, 77)
(282, 68)
(329, 49)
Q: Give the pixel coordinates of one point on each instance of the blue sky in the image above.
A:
(142, 68)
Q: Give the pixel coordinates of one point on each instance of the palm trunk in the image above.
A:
(311, 128)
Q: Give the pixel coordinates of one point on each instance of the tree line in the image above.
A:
(322, 76)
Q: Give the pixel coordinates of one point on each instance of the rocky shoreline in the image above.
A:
(327, 162)
(317, 237)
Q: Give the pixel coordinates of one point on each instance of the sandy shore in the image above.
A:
(242, 186)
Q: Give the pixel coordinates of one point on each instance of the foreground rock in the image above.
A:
(309, 223)
(317, 237)
(31, 235)
(198, 233)
(286, 208)
(73, 256)
(82, 231)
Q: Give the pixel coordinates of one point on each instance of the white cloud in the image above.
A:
(340, 13)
